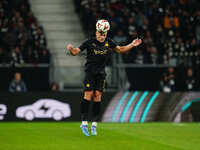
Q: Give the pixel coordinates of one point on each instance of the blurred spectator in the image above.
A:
(54, 87)
(190, 82)
(17, 84)
(171, 21)
(167, 83)
(29, 56)
(139, 57)
(16, 18)
(171, 77)
(30, 19)
(4, 27)
(44, 56)
(39, 36)
(16, 56)
(119, 37)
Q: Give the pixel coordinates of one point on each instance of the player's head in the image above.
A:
(17, 76)
(102, 27)
(101, 36)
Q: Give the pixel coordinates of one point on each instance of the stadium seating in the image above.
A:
(170, 29)
(22, 39)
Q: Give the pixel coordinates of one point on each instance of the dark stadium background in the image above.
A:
(152, 96)
(30, 44)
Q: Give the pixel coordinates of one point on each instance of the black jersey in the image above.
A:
(97, 54)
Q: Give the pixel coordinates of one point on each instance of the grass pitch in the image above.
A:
(111, 136)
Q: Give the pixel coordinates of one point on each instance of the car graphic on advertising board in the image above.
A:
(44, 108)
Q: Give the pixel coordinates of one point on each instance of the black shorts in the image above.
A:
(94, 81)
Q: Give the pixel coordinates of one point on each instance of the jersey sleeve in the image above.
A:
(112, 43)
(84, 45)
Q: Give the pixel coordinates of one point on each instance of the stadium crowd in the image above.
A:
(171, 81)
(170, 29)
(22, 38)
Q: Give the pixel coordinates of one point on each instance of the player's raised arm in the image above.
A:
(126, 48)
(74, 51)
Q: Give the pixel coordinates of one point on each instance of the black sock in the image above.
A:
(84, 109)
(96, 109)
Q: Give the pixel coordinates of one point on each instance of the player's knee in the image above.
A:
(97, 99)
(88, 95)
(97, 96)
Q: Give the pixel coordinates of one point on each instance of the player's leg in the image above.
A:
(96, 111)
(96, 105)
(85, 102)
(99, 86)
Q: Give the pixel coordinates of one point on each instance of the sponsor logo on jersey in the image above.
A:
(102, 52)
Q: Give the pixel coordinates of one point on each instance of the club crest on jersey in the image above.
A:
(106, 44)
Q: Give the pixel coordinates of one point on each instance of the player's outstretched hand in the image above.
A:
(69, 47)
(136, 42)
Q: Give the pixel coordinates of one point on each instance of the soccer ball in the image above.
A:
(102, 25)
